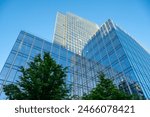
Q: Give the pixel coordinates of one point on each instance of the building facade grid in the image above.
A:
(86, 49)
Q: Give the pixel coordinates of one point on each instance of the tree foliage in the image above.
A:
(43, 80)
(106, 90)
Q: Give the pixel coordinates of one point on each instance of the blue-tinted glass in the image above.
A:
(11, 75)
(63, 52)
(21, 36)
(4, 71)
(25, 49)
(35, 52)
(28, 40)
(16, 46)
(55, 49)
(38, 43)
(20, 61)
(11, 58)
(47, 47)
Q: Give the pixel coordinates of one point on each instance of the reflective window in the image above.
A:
(63, 52)
(125, 63)
(35, 52)
(28, 39)
(38, 43)
(11, 58)
(25, 49)
(15, 47)
(47, 46)
(55, 49)
(4, 71)
(11, 75)
(21, 35)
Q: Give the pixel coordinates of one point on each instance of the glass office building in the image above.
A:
(86, 49)
(116, 50)
(27, 46)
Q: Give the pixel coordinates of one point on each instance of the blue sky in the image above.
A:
(38, 17)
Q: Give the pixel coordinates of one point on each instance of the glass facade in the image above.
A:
(24, 50)
(86, 49)
(27, 46)
(116, 50)
(138, 59)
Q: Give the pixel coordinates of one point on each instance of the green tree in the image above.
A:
(106, 90)
(43, 80)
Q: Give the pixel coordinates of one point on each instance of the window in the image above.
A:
(25, 49)
(20, 61)
(21, 35)
(62, 62)
(35, 52)
(117, 67)
(28, 39)
(120, 52)
(11, 58)
(4, 71)
(55, 49)
(11, 75)
(15, 47)
(38, 43)
(125, 63)
(63, 52)
(47, 46)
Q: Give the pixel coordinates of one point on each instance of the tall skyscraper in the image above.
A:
(86, 49)
(73, 32)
